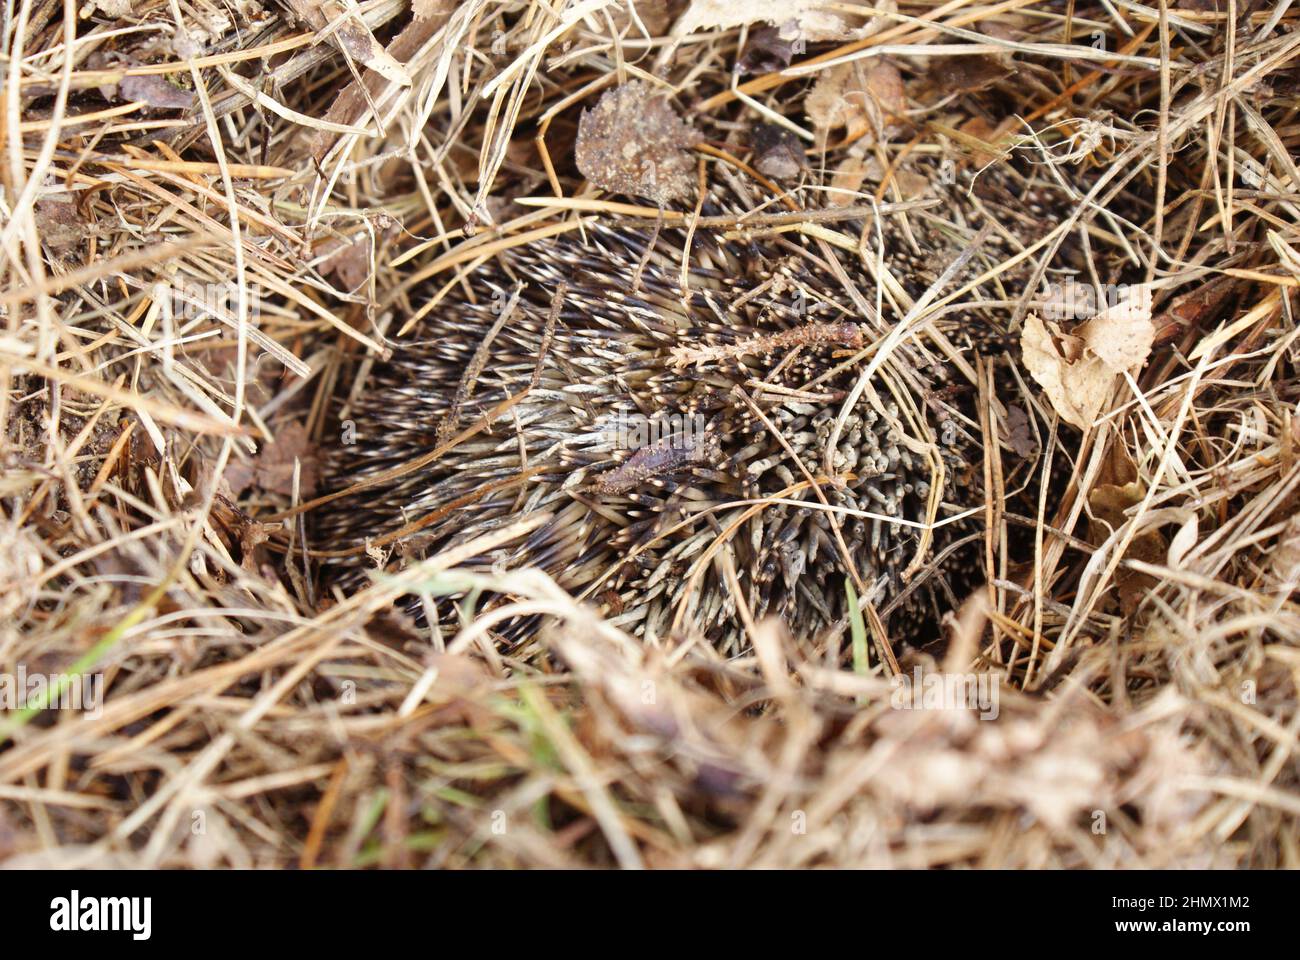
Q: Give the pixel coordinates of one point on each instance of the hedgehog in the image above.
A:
(698, 438)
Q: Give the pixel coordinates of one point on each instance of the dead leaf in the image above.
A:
(351, 262)
(60, 225)
(766, 52)
(156, 91)
(1108, 503)
(847, 181)
(1076, 386)
(1121, 336)
(859, 98)
(777, 152)
(1020, 434)
(1077, 372)
(982, 130)
(633, 142)
(912, 185)
(969, 74)
(827, 105)
(271, 470)
(354, 38)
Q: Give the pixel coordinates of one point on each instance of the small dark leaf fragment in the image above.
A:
(765, 52)
(777, 152)
(969, 74)
(155, 91)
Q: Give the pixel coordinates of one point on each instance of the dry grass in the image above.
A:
(1140, 612)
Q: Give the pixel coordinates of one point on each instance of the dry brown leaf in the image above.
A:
(1077, 372)
(969, 74)
(777, 152)
(1122, 335)
(847, 181)
(156, 91)
(982, 129)
(885, 86)
(272, 469)
(766, 51)
(827, 105)
(61, 226)
(858, 97)
(1107, 503)
(633, 142)
(1020, 434)
(354, 38)
(351, 262)
(1077, 386)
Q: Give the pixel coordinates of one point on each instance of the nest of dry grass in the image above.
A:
(333, 168)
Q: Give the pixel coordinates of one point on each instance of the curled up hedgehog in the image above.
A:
(709, 416)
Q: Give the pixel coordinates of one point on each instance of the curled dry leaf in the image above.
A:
(859, 97)
(633, 142)
(1121, 336)
(1077, 372)
(1076, 386)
